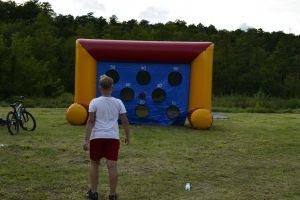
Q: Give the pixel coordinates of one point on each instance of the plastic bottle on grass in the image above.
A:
(187, 186)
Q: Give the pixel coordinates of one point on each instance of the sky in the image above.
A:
(270, 15)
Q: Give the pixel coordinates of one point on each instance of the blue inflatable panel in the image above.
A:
(152, 93)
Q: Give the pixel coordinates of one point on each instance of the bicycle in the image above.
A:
(3, 122)
(19, 117)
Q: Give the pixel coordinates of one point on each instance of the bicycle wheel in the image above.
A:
(27, 121)
(12, 123)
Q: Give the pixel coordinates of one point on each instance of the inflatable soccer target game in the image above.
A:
(159, 83)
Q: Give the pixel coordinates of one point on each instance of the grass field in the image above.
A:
(247, 156)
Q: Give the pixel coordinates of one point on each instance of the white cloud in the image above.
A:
(93, 5)
(154, 14)
(245, 27)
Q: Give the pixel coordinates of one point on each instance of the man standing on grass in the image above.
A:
(102, 135)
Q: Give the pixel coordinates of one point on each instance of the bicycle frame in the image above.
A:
(19, 109)
(3, 122)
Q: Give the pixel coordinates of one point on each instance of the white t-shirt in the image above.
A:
(107, 111)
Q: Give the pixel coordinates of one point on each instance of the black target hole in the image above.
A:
(143, 77)
(158, 95)
(173, 112)
(113, 74)
(175, 78)
(127, 94)
(142, 111)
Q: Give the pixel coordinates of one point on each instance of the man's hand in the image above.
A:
(86, 145)
(88, 129)
(125, 123)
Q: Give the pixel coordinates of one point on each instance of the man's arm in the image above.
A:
(125, 124)
(88, 129)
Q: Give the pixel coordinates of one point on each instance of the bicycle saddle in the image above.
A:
(13, 104)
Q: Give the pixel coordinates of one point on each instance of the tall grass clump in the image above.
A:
(259, 103)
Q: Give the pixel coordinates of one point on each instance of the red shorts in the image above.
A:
(102, 147)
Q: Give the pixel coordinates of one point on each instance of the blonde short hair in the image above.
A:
(105, 82)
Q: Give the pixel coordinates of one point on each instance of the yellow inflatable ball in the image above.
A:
(76, 114)
(201, 119)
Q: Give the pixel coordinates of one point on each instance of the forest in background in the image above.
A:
(37, 51)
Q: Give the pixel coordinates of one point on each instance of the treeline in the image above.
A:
(37, 50)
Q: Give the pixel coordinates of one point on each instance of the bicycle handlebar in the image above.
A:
(21, 99)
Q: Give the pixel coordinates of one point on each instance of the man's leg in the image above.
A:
(94, 174)
(113, 175)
